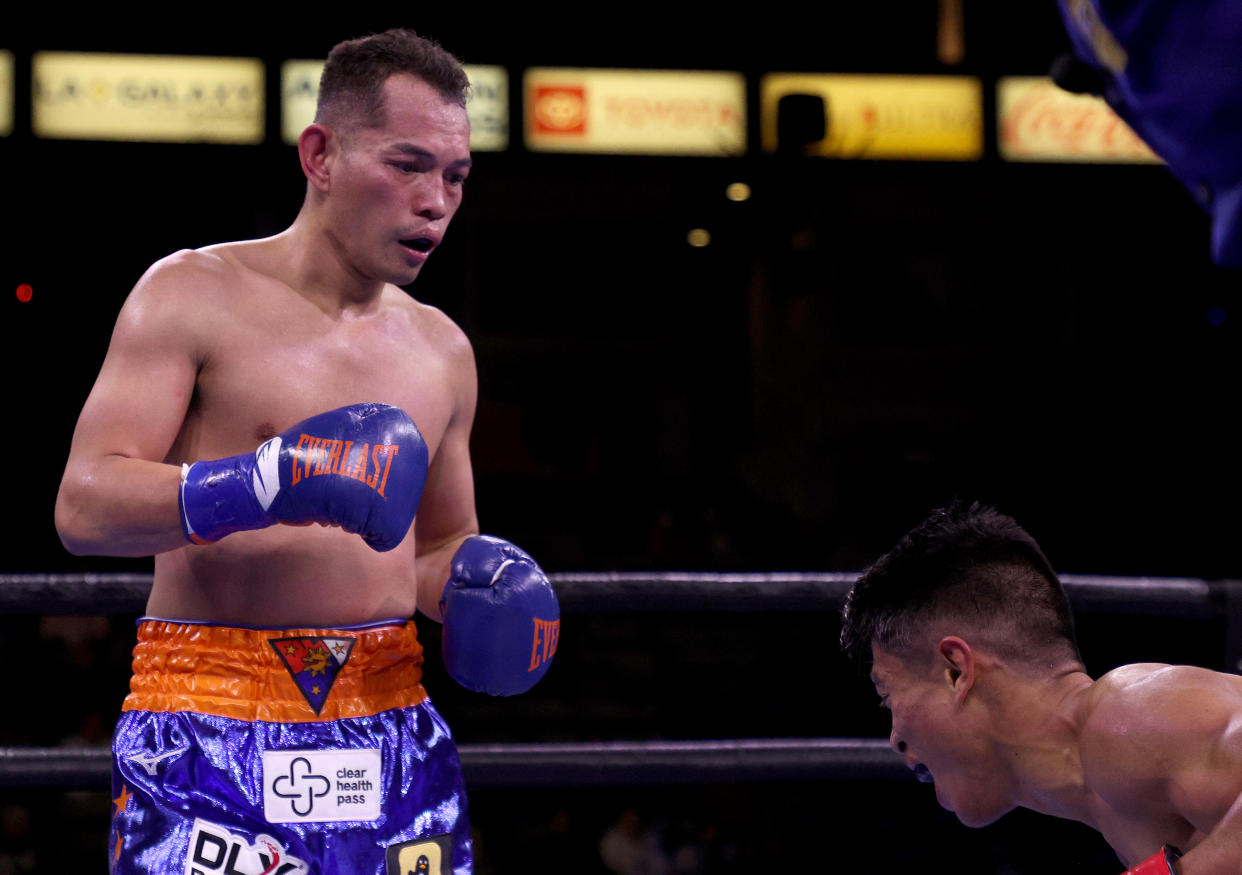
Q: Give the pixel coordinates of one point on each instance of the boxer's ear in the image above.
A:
(958, 663)
(318, 146)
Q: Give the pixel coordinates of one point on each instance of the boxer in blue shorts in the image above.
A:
(305, 737)
(277, 721)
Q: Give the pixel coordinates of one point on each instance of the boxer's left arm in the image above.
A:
(501, 630)
(447, 515)
(1205, 784)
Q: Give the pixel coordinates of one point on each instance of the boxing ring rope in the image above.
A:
(623, 762)
(662, 591)
(589, 764)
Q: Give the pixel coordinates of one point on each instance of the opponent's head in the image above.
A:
(966, 591)
(388, 153)
(968, 570)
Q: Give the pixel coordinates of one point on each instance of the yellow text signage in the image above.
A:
(155, 98)
(1040, 122)
(487, 104)
(894, 117)
(642, 112)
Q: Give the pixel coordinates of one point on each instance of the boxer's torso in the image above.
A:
(268, 357)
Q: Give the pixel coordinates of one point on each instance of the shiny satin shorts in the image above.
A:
(262, 752)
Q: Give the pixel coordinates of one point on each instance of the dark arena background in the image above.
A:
(862, 341)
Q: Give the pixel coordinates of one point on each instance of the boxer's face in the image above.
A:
(395, 188)
(939, 738)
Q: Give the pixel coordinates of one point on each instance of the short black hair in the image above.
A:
(352, 84)
(969, 565)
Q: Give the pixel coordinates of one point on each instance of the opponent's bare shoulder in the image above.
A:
(1142, 720)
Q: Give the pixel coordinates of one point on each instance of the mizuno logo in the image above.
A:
(151, 762)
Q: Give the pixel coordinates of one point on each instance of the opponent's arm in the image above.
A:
(117, 497)
(1163, 862)
(1173, 755)
(1205, 785)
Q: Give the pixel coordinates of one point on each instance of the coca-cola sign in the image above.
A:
(1041, 122)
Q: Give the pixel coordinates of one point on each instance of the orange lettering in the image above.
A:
(551, 631)
(297, 453)
(374, 478)
(534, 647)
(359, 470)
(392, 451)
(334, 461)
(311, 453)
(321, 454)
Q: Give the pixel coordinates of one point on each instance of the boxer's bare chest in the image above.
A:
(278, 360)
(268, 361)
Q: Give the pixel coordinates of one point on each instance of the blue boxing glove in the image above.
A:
(501, 618)
(360, 467)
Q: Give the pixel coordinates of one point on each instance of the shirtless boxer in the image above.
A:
(971, 646)
(276, 721)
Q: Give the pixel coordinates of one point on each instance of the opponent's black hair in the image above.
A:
(968, 565)
(352, 83)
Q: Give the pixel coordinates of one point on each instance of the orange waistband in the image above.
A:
(289, 676)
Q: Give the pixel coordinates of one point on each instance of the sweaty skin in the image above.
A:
(1147, 755)
(218, 349)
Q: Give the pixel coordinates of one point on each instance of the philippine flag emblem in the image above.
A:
(314, 662)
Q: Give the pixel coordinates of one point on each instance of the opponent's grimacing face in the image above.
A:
(936, 740)
(395, 188)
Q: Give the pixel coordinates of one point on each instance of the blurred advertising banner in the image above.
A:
(6, 93)
(635, 112)
(151, 98)
(1037, 121)
(487, 103)
(938, 118)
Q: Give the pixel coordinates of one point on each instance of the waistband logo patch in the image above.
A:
(322, 785)
(313, 663)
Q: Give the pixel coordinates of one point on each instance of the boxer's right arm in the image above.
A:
(118, 497)
(1167, 750)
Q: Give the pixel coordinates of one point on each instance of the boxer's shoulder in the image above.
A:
(187, 281)
(1146, 686)
(173, 302)
(434, 334)
(1128, 698)
(1142, 721)
(212, 264)
(428, 320)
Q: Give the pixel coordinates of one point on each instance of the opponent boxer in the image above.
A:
(276, 721)
(971, 647)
